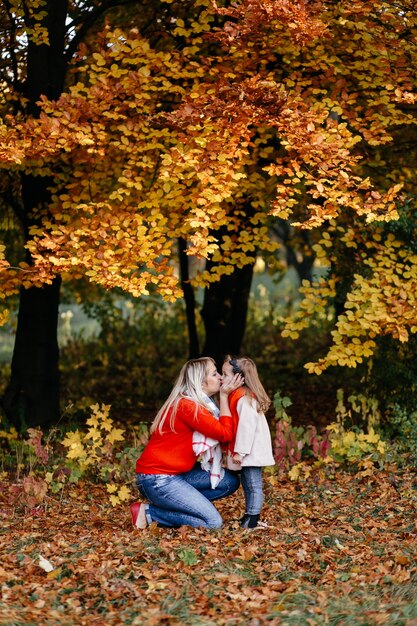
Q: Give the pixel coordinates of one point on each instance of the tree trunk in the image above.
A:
(32, 397)
(305, 266)
(224, 313)
(189, 299)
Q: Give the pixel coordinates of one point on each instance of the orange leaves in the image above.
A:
(276, 114)
(254, 21)
(10, 278)
(340, 549)
(326, 114)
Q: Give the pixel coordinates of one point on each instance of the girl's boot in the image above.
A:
(249, 521)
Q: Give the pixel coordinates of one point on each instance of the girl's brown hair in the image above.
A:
(247, 368)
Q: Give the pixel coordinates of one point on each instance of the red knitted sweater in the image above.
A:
(171, 452)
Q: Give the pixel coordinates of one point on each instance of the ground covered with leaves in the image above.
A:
(338, 549)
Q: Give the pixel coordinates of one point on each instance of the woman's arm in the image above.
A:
(203, 421)
(229, 384)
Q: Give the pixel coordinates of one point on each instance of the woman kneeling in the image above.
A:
(189, 424)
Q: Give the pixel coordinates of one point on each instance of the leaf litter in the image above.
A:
(334, 551)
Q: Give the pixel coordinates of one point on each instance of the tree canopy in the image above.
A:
(300, 108)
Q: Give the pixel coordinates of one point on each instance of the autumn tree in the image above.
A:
(155, 143)
(349, 100)
(38, 41)
(112, 95)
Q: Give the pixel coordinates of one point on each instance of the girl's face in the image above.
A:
(212, 383)
(227, 369)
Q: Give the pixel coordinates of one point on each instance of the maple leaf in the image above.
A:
(116, 434)
(73, 441)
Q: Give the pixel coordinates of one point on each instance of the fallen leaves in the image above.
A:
(330, 549)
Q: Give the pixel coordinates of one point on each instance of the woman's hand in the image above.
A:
(230, 383)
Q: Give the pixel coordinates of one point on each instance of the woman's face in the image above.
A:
(212, 383)
(227, 369)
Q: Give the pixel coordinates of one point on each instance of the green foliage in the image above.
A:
(349, 442)
(401, 428)
(393, 374)
(101, 453)
(26, 458)
(357, 410)
(280, 404)
(342, 441)
(143, 343)
(188, 556)
(25, 454)
(133, 362)
(280, 360)
(294, 443)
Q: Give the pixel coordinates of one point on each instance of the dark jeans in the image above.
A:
(185, 499)
(252, 488)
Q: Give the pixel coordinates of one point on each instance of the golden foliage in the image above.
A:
(279, 113)
(381, 299)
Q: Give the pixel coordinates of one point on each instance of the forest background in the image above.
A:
(206, 178)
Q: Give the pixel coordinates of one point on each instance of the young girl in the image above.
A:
(251, 448)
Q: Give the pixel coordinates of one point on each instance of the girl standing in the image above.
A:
(179, 490)
(251, 448)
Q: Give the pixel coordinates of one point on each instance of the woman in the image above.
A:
(178, 489)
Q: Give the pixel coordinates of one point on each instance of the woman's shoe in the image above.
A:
(138, 513)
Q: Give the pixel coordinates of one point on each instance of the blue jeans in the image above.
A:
(252, 488)
(184, 499)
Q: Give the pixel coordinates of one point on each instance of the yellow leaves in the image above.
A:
(119, 494)
(355, 445)
(73, 442)
(144, 71)
(116, 434)
(94, 451)
(99, 59)
(405, 97)
(381, 299)
(315, 368)
(87, 448)
(300, 472)
(84, 140)
(119, 155)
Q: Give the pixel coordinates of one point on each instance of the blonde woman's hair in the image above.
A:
(188, 384)
(247, 368)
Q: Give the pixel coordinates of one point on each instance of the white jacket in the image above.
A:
(253, 438)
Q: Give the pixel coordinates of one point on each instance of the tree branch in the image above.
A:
(88, 20)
